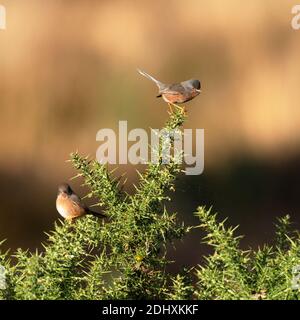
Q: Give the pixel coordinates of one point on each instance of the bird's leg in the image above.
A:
(70, 220)
(182, 109)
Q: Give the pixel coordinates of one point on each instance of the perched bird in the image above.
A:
(70, 206)
(178, 92)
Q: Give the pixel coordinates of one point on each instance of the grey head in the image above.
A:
(64, 188)
(192, 84)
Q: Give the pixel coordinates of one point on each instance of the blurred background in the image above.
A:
(68, 69)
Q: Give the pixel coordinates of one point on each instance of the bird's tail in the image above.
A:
(96, 214)
(158, 83)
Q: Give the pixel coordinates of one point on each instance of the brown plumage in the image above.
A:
(70, 206)
(176, 93)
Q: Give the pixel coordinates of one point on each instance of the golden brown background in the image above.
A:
(68, 69)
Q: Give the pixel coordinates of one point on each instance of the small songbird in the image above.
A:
(70, 206)
(178, 92)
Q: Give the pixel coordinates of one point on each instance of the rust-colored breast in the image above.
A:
(180, 97)
(68, 208)
(174, 98)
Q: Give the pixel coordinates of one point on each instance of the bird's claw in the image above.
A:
(181, 109)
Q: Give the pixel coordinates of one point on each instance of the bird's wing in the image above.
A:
(74, 197)
(174, 89)
(77, 202)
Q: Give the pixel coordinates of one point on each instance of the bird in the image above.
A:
(176, 93)
(70, 206)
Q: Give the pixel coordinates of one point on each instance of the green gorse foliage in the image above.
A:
(231, 273)
(124, 257)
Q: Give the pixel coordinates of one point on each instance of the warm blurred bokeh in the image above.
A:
(68, 69)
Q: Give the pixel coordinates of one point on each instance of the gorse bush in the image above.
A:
(124, 256)
(231, 273)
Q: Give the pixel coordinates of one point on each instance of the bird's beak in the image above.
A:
(198, 90)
